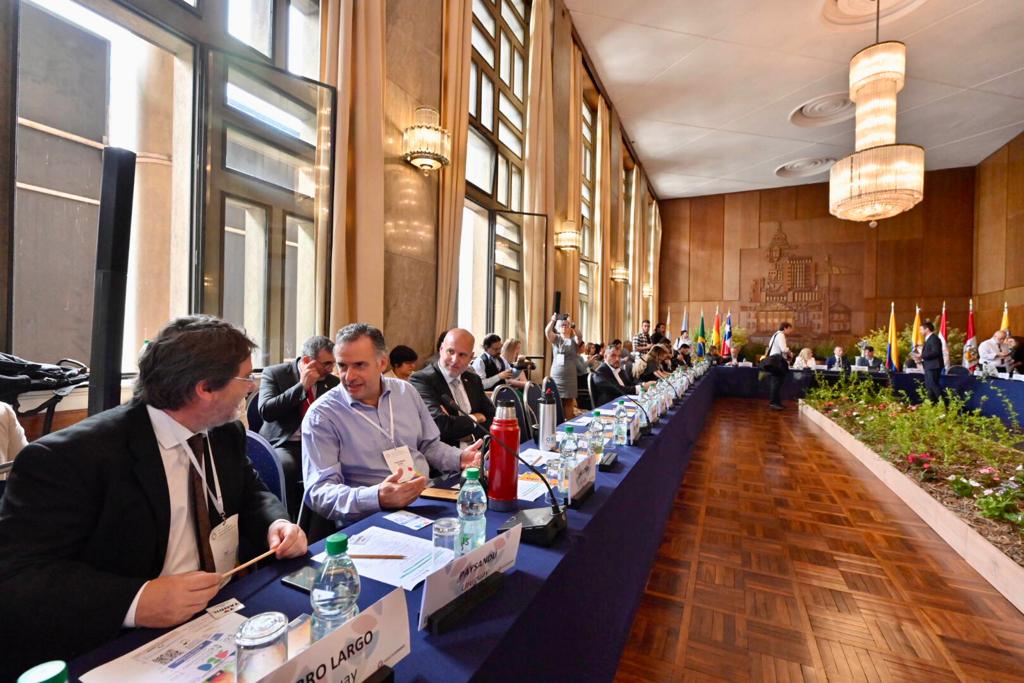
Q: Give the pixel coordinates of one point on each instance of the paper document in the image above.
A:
(530, 489)
(536, 456)
(408, 519)
(201, 650)
(406, 573)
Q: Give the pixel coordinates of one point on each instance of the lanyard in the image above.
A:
(217, 499)
(377, 426)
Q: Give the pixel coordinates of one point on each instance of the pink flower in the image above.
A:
(927, 465)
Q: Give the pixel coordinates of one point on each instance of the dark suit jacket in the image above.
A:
(832, 362)
(605, 386)
(931, 354)
(431, 384)
(280, 401)
(84, 523)
(874, 364)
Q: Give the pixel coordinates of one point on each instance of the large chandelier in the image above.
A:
(425, 144)
(881, 178)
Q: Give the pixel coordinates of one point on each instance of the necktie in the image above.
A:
(307, 402)
(459, 392)
(199, 505)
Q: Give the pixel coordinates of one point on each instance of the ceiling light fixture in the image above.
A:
(881, 178)
(425, 144)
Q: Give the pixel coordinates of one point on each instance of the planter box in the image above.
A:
(1005, 575)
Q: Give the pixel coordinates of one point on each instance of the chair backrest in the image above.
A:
(957, 370)
(5, 471)
(550, 384)
(264, 461)
(532, 395)
(505, 391)
(594, 398)
(252, 413)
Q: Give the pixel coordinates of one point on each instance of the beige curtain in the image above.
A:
(656, 270)
(353, 35)
(539, 181)
(456, 55)
(603, 229)
(570, 260)
(638, 257)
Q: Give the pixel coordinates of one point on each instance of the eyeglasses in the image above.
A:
(251, 378)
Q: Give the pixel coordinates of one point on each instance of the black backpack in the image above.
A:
(18, 375)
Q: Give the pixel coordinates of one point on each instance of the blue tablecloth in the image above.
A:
(564, 612)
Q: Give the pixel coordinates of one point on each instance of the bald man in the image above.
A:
(455, 397)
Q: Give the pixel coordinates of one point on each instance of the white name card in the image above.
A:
(581, 476)
(355, 650)
(462, 573)
(859, 368)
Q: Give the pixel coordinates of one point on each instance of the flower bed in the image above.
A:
(968, 462)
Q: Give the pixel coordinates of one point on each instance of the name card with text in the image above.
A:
(581, 476)
(462, 573)
(376, 637)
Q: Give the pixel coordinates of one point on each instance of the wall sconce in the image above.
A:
(620, 274)
(425, 144)
(647, 290)
(568, 238)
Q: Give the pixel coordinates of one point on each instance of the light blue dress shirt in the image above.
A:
(343, 454)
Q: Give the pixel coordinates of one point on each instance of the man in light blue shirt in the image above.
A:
(349, 433)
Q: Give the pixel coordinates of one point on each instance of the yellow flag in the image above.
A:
(915, 334)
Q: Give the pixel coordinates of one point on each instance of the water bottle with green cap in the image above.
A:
(336, 589)
(472, 504)
(568, 451)
(47, 672)
(596, 436)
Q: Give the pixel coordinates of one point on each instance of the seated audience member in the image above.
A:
(402, 360)
(520, 364)
(910, 363)
(838, 360)
(714, 357)
(610, 380)
(12, 436)
(653, 368)
(1015, 361)
(735, 356)
(107, 524)
(454, 397)
(492, 369)
(642, 339)
(805, 360)
(685, 359)
(348, 435)
(992, 353)
(287, 391)
(869, 360)
(683, 338)
(666, 357)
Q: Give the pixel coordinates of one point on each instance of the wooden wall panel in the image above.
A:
(838, 276)
(1015, 213)
(990, 224)
(707, 233)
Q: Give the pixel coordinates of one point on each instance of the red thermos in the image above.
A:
(503, 471)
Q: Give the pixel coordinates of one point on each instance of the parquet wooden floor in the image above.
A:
(785, 560)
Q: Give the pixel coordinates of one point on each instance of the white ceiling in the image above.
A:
(705, 87)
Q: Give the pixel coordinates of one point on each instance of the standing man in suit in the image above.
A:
(287, 391)
(930, 358)
(454, 397)
(869, 361)
(107, 524)
(838, 360)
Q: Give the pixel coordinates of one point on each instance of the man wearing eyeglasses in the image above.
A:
(287, 391)
(132, 516)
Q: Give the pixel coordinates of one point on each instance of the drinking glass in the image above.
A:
(261, 646)
(446, 533)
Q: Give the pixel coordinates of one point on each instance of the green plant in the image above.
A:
(826, 348)
(740, 337)
(998, 503)
(962, 486)
(754, 350)
(879, 339)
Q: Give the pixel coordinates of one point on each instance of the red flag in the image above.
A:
(971, 345)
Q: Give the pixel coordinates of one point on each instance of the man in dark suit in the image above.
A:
(455, 397)
(610, 379)
(107, 524)
(931, 359)
(838, 360)
(286, 392)
(869, 361)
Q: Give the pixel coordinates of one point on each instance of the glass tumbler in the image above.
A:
(446, 534)
(261, 646)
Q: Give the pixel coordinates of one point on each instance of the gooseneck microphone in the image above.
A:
(623, 394)
(452, 407)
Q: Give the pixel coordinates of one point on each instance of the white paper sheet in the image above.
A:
(406, 573)
(530, 490)
(193, 652)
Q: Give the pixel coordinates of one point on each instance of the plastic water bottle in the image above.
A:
(568, 461)
(335, 590)
(55, 671)
(595, 435)
(621, 425)
(472, 505)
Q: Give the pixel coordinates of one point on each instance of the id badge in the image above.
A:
(401, 458)
(224, 544)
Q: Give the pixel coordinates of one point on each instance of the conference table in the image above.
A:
(563, 613)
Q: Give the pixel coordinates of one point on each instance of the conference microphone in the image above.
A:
(541, 526)
(623, 394)
(452, 407)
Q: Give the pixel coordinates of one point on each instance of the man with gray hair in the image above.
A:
(287, 390)
(368, 444)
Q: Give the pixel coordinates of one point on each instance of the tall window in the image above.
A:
(492, 227)
(588, 195)
(628, 169)
(231, 187)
